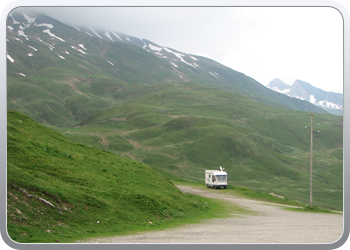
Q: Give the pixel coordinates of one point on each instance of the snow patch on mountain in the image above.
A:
(96, 33)
(213, 74)
(180, 56)
(195, 65)
(152, 47)
(17, 39)
(50, 46)
(284, 91)
(21, 33)
(50, 26)
(10, 58)
(62, 57)
(73, 47)
(160, 55)
(82, 46)
(10, 27)
(174, 64)
(13, 20)
(329, 105)
(22, 74)
(116, 35)
(32, 48)
(48, 31)
(175, 53)
(109, 36)
(312, 99)
(88, 33)
(29, 19)
(76, 28)
(110, 63)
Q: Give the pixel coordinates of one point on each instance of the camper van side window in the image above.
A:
(209, 176)
(214, 178)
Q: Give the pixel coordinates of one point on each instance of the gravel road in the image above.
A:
(270, 225)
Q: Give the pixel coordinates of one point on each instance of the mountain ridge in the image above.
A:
(132, 61)
(330, 101)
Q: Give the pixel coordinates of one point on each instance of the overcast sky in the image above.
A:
(288, 43)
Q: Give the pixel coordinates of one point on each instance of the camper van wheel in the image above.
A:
(225, 187)
(214, 186)
(208, 186)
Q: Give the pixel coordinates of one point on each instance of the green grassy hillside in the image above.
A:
(61, 190)
(62, 82)
(182, 129)
(127, 102)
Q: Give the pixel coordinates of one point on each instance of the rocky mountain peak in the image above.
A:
(332, 102)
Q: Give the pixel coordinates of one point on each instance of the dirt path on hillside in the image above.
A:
(271, 224)
(70, 83)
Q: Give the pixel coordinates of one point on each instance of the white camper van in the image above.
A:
(216, 178)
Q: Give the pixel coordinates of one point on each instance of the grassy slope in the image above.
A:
(94, 192)
(62, 92)
(180, 129)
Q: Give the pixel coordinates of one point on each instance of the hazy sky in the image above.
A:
(289, 43)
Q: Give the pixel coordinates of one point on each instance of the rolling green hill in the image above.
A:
(58, 189)
(182, 129)
(179, 120)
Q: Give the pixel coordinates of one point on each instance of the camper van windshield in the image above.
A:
(221, 178)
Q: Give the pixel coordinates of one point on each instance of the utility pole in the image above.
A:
(312, 132)
(311, 149)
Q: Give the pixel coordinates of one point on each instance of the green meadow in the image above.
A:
(62, 191)
(181, 129)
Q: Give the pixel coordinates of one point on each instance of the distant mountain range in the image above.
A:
(330, 101)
